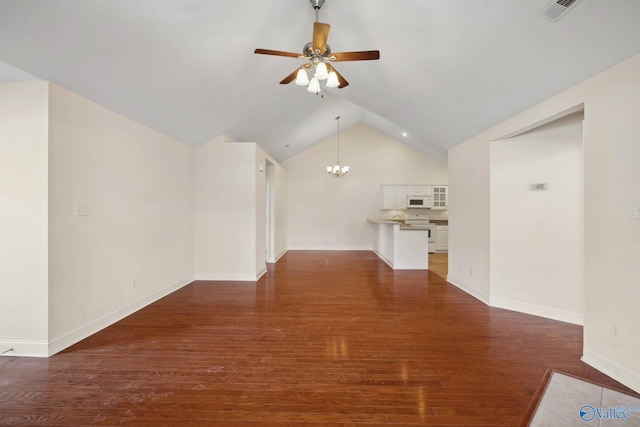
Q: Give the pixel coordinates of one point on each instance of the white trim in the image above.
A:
(227, 277)
(612, 369)
(473, 292)
(261, 273)
(409, 266)
(279, 256)
(538, 310)
(78, 335)
(331, 248)
(379, 255)
(25, 348)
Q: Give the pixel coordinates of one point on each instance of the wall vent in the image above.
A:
(558, 8)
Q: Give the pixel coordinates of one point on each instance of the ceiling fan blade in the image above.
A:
(291, 77)
(355, 56)
(320, 36)
(277, 53)
(343, 82)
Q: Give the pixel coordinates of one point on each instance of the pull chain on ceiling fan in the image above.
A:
(316, 52)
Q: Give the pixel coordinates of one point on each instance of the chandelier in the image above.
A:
(337, 170)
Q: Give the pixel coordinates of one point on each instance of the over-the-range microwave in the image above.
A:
(419, 202)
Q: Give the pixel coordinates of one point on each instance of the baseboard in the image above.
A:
(277, 258)
(410, 267)
(227, 277)
(24, 348)
(331, 248)
(471, 291)
(78, 335)
(612, 369)
(538, 310)
(389, 263)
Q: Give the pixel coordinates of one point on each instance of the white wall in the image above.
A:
(280, 210)
(137, 243)
(537, 237)
(330, 213)
(270, 174)
(23, 218)
(225, 211)
(469, 238)
(230, 210)
(612, 182)
(611, 103)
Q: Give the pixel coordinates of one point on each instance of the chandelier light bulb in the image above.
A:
(332, 79)
(301, 78)
(314, 86)
(321, 71)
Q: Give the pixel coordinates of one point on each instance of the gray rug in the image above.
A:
(569, 401)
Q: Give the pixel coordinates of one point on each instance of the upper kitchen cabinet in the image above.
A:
(394, 197)
(440, 197)
(419, 190)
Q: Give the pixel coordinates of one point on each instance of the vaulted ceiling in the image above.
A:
(448, 69)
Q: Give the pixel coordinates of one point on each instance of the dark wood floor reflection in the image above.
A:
(324, 339)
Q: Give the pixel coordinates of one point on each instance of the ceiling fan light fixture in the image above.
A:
(316, 52)
(314, 86)
(321, 71)
(301, 78)
(332, 79)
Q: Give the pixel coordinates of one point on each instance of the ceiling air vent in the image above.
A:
(558, 9)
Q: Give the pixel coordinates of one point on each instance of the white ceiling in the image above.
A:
(448, 69)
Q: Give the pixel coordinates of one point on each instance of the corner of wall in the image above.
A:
(611, 368)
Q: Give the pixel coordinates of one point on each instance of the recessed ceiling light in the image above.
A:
(405, 134)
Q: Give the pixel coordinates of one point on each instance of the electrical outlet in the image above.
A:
(634, 210)
(615, 330)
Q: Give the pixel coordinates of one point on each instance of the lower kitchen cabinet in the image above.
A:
(401, 248)
(442, 238)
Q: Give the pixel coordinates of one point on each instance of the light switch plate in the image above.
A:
(634, 210)
(540, 186)
(82, 209)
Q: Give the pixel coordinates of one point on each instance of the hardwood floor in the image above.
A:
(439, 264)
(323, 339)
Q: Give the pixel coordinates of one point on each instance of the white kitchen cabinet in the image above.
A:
(394, 197)
(440, 197)
(442, 238)
(419, 190)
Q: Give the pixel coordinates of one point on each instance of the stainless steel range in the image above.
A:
(421, 220)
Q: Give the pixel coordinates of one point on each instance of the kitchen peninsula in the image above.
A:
(402, 246)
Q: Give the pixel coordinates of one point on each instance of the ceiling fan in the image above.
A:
(316, 52)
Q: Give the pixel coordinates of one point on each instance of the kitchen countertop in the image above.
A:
(403, 225)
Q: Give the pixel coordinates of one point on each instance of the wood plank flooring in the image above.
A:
(323, 339)
(439, 264)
